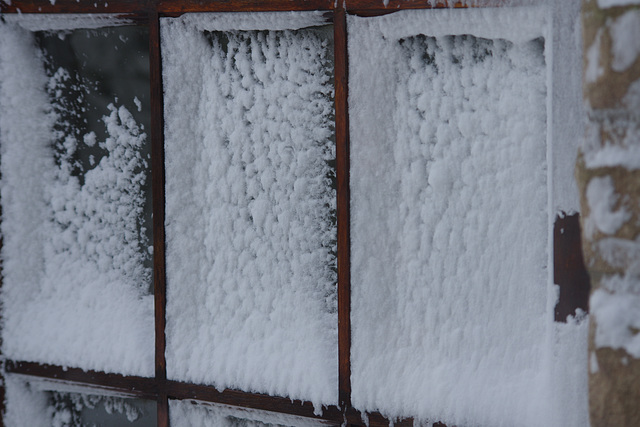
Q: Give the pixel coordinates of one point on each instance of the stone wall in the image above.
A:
(608, 176)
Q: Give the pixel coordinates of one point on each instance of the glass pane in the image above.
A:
(449, 228)
(98, 78)
(39, 403)
(251, 229)
(76, 198)
(191, 413)
(80, 410)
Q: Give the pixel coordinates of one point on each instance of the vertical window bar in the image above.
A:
(157, 161)
(342, 177)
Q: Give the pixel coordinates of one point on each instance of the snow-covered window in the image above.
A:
(76, 216)
(441, 260)
(287, 213)
(450, 192)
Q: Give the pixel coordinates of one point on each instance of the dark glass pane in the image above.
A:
(80, 410)
(93, 74)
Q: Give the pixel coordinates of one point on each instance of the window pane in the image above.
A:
(42, 403)
(76, 194)
(74, 409)
(449, 224)
(191, 413)
(251, 232)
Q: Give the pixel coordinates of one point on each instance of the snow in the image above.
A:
(252, 21)
(251, 282)
(487, 23)
(623, 150)
(619, 253)
(138, 103)
(450, 312)
(565, 107)
(617, 311)
(75, 292)
(628, 157)
(625, 39)
(193, 413)
(602, 198)
(568, 388)
(602, 4)
(593, 364)
(594, 70)
(24, 406)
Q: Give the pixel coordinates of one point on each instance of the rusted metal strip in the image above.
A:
(569, 271)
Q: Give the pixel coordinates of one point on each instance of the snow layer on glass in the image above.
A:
(74, 289)
(449, 220)
(193, 413)
(251, 282)
(24, 405)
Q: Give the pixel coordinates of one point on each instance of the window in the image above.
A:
(337, 215)
(460, 164)
(78, 285)
(253, 159)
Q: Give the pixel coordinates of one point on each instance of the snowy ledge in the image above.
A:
(515, 24)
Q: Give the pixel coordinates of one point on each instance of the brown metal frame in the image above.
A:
(148, 12)
(569, 271)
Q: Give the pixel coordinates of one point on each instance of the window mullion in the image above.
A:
(157, 160)
(342, 178)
